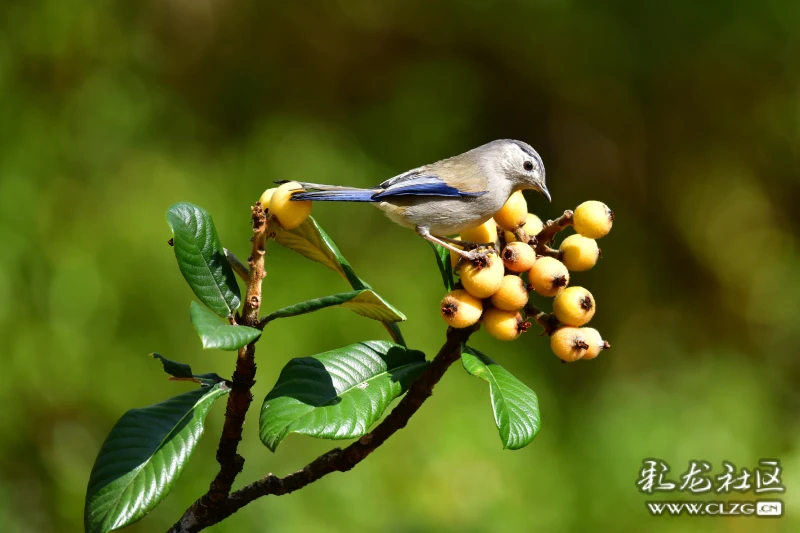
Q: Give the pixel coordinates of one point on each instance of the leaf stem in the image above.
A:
(240, 268)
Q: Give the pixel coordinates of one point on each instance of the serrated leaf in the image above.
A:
(338, 394)
(143, 456)
(215, 334)
(445, 267)
(365, 303)
(201, 258)
(311, 241)
(515, 406)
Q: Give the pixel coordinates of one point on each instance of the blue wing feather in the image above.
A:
(414, 183)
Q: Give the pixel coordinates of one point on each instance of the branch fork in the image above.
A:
(545, 237)
(219, 502)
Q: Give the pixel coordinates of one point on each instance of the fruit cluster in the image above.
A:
(493, 288)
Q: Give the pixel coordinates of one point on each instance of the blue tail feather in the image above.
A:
(352, 195)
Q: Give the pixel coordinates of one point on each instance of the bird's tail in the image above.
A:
(355, 195)
(333, 193)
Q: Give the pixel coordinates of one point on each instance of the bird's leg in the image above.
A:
(472, 255)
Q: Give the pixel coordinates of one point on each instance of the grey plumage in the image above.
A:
(451, 195)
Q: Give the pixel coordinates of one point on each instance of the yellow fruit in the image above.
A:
(574, 306)
(595, 342)
(483, 277)
(289, 214)
(548, 276)
(533, 225)
(504, 325)
(460, 309)
(513, 214)
(512, 294)
(579, 252)
(569, 344)
(593, 219)
(265, 198)
(483, 234)
(518, 256)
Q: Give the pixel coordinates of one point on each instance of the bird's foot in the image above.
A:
(478, 254)
(476, 245)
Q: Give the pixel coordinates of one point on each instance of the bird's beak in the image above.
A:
(542, 188)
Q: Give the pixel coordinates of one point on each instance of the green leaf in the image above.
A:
(311, 241)
(201, 258)
(173, 368)
(338, 394)
(516, 408)
(445, 267)
(365, 303)
(183, 372)
(369, 304)
(142, 458)
(215, 334)
(391, 327)
(394, 332)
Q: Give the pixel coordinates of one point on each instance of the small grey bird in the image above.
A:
(449, 196)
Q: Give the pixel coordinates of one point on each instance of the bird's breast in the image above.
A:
(443, 216)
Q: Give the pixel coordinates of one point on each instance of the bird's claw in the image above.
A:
(478, 254)
(475, 245)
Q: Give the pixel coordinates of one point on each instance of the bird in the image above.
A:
(447, 197)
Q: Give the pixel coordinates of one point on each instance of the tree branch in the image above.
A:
(240, 397)
(201, 515)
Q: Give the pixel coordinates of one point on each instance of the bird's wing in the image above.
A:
(418, 182)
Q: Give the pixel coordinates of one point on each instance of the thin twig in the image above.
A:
(548, 321)
(199, 515)
(544, 237)
(522, 236)
(549, 252)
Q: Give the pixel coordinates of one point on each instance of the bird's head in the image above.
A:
(521, 165)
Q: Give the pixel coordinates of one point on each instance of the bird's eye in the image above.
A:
(527, 166)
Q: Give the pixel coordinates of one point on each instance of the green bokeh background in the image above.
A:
(683, 116)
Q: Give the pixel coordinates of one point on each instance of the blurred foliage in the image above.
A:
(683, 116)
